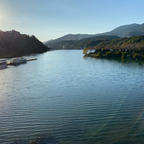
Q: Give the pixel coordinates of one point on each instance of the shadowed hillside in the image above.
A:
(13, 44)
(78, 44)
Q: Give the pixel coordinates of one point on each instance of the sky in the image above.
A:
(50, 19)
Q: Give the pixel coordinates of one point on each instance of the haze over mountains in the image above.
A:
(68, 41)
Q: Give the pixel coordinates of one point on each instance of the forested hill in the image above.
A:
(131, 43)
(128, 30)
(79, 44)
(132, 47)
(70, 41)
(14, 44)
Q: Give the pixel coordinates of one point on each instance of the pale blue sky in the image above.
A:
(49, 19)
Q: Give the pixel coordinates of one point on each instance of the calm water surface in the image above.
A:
(73, 99)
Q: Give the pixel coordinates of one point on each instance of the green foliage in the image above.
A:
(79, 44)
(123, 48)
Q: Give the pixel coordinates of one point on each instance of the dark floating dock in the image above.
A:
(32, 59)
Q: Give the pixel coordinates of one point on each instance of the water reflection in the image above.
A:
(73, 99)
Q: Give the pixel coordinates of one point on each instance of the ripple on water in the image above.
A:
(73, 100)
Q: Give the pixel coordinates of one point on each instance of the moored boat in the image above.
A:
(3, 64)
(18, 61)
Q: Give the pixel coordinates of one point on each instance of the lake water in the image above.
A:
(72, 99)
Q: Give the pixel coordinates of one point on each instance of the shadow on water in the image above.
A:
(71, 100)
(39, 140)
(120, 60)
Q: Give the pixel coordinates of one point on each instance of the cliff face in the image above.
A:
(13, 44)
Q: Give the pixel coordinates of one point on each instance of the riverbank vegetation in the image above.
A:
(121, 48)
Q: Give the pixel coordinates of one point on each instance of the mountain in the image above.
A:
(14, 44)
(79, 44)
(67, 38)
(128, 30)
(67, 41)
(74, 37)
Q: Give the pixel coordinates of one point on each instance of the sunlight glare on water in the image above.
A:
(73, 99)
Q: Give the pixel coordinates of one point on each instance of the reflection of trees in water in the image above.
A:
(38, 140)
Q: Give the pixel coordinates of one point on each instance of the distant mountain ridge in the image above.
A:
(79, 44)
(15, 44)
(121, 31)
(128, 30)
(74, 37)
